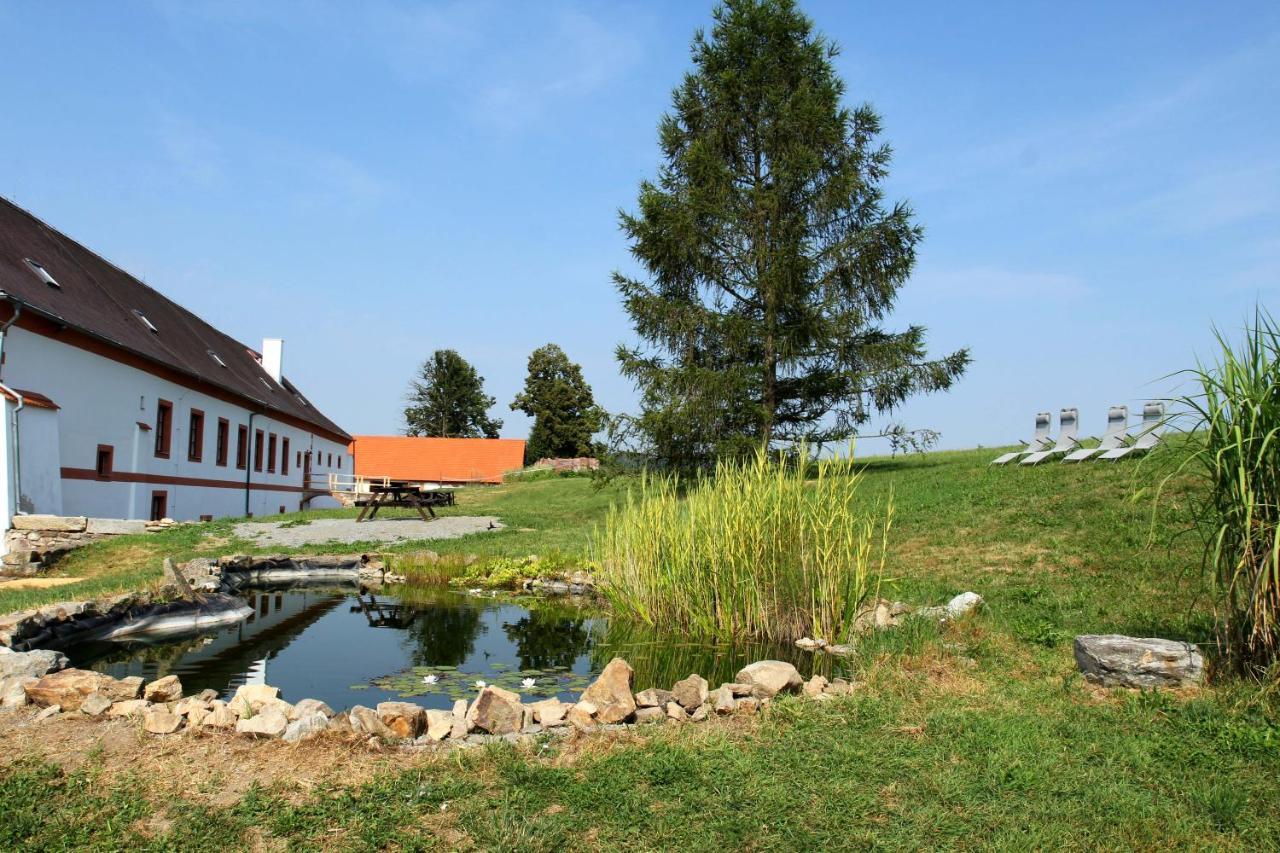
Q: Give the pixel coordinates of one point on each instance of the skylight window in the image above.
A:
(42, 273)
(217, 358)
(143, 317)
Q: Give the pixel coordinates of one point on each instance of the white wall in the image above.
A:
(102, 402)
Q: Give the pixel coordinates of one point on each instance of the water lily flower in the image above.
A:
(480, 685)
(527, 683)
(430, 679)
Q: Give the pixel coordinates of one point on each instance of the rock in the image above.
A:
(582, 716)
(308, 725)
(746, 705)
(114, 526)
(189, 704)
(653, 698)
(220, 716)
(253, 696)
(270, 723)
(550, 712)
(770, 677)
(838, 687)
(50, 523)
(460, 724)
(1113, 660)
(207, 695)
(722, 700)
(700, 713)
(66, 688)
(307, 707)
(167, 689)
(278, 704)
(962, 605)
(839, 649)
(611, 693)
(439, 724)
(122, 689)
(13, 692)
(690, 692)
(650, 715)
(95, 705)
(405, 719)
(366, 721)
(195, 716)
(676, 711)
(128, 708)
(526, 718)
(341, 723)
(31, 664)
(815, 686)
(808, 644)
(496, 711)
(46, 713)
(158, 720)
(739, 689)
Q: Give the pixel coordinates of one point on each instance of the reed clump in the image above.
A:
(1234, 449)
(762, 548)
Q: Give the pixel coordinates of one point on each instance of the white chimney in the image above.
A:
(273, 357)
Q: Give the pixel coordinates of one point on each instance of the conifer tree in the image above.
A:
(447, 400)
(559, 400)
(772, 258)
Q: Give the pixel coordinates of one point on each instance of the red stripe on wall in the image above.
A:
(166, 480)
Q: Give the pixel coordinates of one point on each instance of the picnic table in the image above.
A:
(402, 495)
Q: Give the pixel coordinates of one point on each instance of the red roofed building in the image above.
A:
(436, 460)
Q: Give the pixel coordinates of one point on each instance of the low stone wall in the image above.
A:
(37, 541)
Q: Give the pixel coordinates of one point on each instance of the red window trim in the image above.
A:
(195, 438)
(111, 462)
(272, 444)
(257, 450)
(222, 438)
(284, 456)
(164, 428)
(242, 446)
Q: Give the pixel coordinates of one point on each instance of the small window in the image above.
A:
(195, 436)
(159, 505)
(143, 318)
(217, 359)
(339, 461)
(224, 438)
(42, 273)
(164, 428)
(271, 453)
(284, 456)
(106, 461)
(242, 446)
(257, 450)
(298, 459)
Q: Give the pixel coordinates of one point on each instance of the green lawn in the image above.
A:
(978, 736)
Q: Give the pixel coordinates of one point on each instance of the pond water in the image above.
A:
(346, 646)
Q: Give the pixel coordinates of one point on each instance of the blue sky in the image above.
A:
(1098, 182)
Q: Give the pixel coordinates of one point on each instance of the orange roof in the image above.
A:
(437, 460)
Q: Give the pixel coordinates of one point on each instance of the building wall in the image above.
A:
(106, 403)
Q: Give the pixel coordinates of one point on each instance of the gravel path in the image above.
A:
(323, 530)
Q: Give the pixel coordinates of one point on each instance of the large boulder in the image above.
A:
(167, 689)
(1113, 660)
(611, 693)
(404, 718)
(496, 711)
(770, 677)
(690, 692)
(67, 688)
(33, 664)
(270, 723)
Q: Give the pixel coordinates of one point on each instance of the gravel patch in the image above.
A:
(323, 530)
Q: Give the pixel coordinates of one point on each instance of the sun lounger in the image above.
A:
(1117, 432)
(1068, 424)
(1039, 441)
(1148, 436)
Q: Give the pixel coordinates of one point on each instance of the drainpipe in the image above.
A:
(17, 444)
(248, 461)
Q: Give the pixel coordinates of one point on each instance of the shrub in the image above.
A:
(756, 550)
(1235, 450)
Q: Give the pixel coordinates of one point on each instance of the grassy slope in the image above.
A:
(982, 735)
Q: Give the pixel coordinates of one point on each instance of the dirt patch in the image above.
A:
(36, 583)
(347, 530)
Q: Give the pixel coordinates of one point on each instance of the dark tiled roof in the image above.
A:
(99, 298)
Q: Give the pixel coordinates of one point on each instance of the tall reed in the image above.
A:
(1235, 451)
(758, 549)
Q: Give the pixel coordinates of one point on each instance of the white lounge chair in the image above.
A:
(1068, 425)
(1147, 437)
(1039, 441)
(1117, 432)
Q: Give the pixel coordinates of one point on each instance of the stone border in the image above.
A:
(35, 542)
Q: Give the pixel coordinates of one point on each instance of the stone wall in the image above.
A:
(37, 541)
(561, 466)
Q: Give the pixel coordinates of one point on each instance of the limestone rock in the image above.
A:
(33, 664)
(207, 695)
(114, 526)
(838, 687)
(691, 692)
(722, 700)
(278, 704)
(650, 715)
(220, 716)
(808, 644)
(158, 720)
(962, 605)
(1113, 660)
(122, 689)
(405, 719)
(550, 712)
(739, 689)
(366, 721)
(66, 688)
(253, 696)
(128, 708)
(746, 705)
(677, 712)
(340, 722)
(815, 686)
(167, 689)
(496, 711)
(653, 698)
(611, 693)
(95, 705)
(307, 707)
(582, 716)
(770, 677)
(46, 713)
(195, 716)
(439, 724)
(308, 725)
(269, 723)
(700, 713)
(460, 724)
(189, 704)
(13, 692)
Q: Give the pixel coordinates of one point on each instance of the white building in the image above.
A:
(119, 403)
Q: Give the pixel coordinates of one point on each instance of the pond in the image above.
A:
(347, 646)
